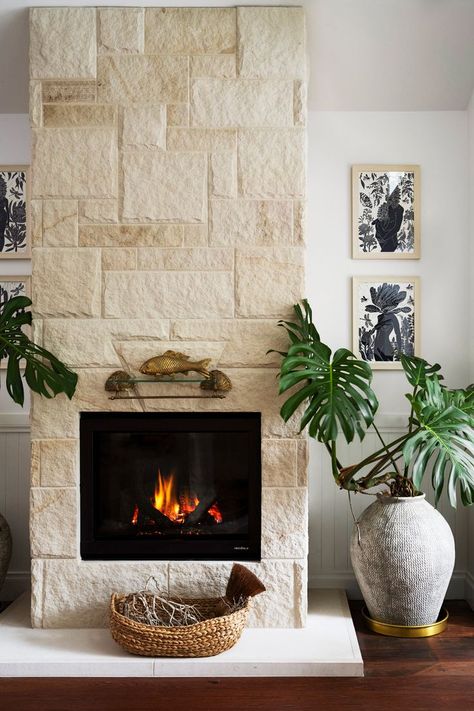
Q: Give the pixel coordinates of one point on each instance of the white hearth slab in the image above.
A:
(326, 647)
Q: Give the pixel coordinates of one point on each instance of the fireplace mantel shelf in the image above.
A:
(160, 380)
(326, 647)
(220, 396)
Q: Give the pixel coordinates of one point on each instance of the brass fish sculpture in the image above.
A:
(171, 362)
(217, 381)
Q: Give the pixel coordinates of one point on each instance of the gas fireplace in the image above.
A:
(170, 486)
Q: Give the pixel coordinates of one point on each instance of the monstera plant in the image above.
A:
(339, 400)
(43, 372)
(333, 392)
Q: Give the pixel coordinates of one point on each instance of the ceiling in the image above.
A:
(364, 55)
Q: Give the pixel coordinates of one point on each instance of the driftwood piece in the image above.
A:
(159, 610)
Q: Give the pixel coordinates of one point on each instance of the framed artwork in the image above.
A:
(385, 319)
(385, 211)
(11, 286)
(15, 241)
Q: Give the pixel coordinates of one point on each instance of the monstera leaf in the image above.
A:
(336, 389)
(445, 434)
(44, 373)
(418, 370)
(301, 331)
(463, 399)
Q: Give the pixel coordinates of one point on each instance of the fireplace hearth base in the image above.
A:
(327, 647)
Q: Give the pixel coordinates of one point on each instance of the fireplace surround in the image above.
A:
(168, 188)
(170, 486)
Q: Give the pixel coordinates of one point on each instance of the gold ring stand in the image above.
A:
(414, 631)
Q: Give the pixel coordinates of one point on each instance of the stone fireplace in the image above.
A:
(168, 185)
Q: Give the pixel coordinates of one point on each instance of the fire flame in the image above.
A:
(174, 504)
(166, 498)
(215, 513)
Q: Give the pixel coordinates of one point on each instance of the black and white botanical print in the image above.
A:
(385, 212)
(13, 227)
(385, 319)
(12, 286)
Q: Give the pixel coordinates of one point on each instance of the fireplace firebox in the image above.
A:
(170, 486)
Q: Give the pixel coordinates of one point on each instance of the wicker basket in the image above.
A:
(202, 639)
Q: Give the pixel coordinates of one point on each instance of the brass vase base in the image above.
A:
(412, 631)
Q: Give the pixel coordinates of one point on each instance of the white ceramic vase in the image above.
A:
(5, 548)
(402, 553)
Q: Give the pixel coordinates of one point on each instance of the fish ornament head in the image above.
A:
(146, 369)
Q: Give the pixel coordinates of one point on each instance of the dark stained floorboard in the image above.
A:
(435, 674)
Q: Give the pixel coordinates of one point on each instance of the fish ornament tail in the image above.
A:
(202, 367)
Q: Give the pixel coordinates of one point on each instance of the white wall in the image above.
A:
(14, 149)
(410, 49)
(14, 434)
(438, 142)
(470, 115)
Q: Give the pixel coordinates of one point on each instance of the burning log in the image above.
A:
(201, 510)
(145, 508)
(169, 507)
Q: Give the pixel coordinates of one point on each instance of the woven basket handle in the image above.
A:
(243, 583)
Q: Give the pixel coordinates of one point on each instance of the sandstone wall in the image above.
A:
(168, 209)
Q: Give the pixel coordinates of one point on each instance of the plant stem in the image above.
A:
(410, 418)
(383, 461)
(329, 449)
(377, 455)
(334, 462)
(410, 426)
(386, 448)
(382, 479)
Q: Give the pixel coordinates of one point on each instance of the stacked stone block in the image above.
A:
(168, 206)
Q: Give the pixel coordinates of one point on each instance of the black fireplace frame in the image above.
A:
(230, 547)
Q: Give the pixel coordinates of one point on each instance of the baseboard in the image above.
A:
(458, 587)
(470, 589)
(15, 584)
(344, 580)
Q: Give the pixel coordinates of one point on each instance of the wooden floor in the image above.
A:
(434, 674)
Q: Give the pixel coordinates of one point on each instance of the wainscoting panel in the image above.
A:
(331, 521)
(14, 503)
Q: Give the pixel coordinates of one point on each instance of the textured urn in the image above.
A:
(402, 552)
(5, 548)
